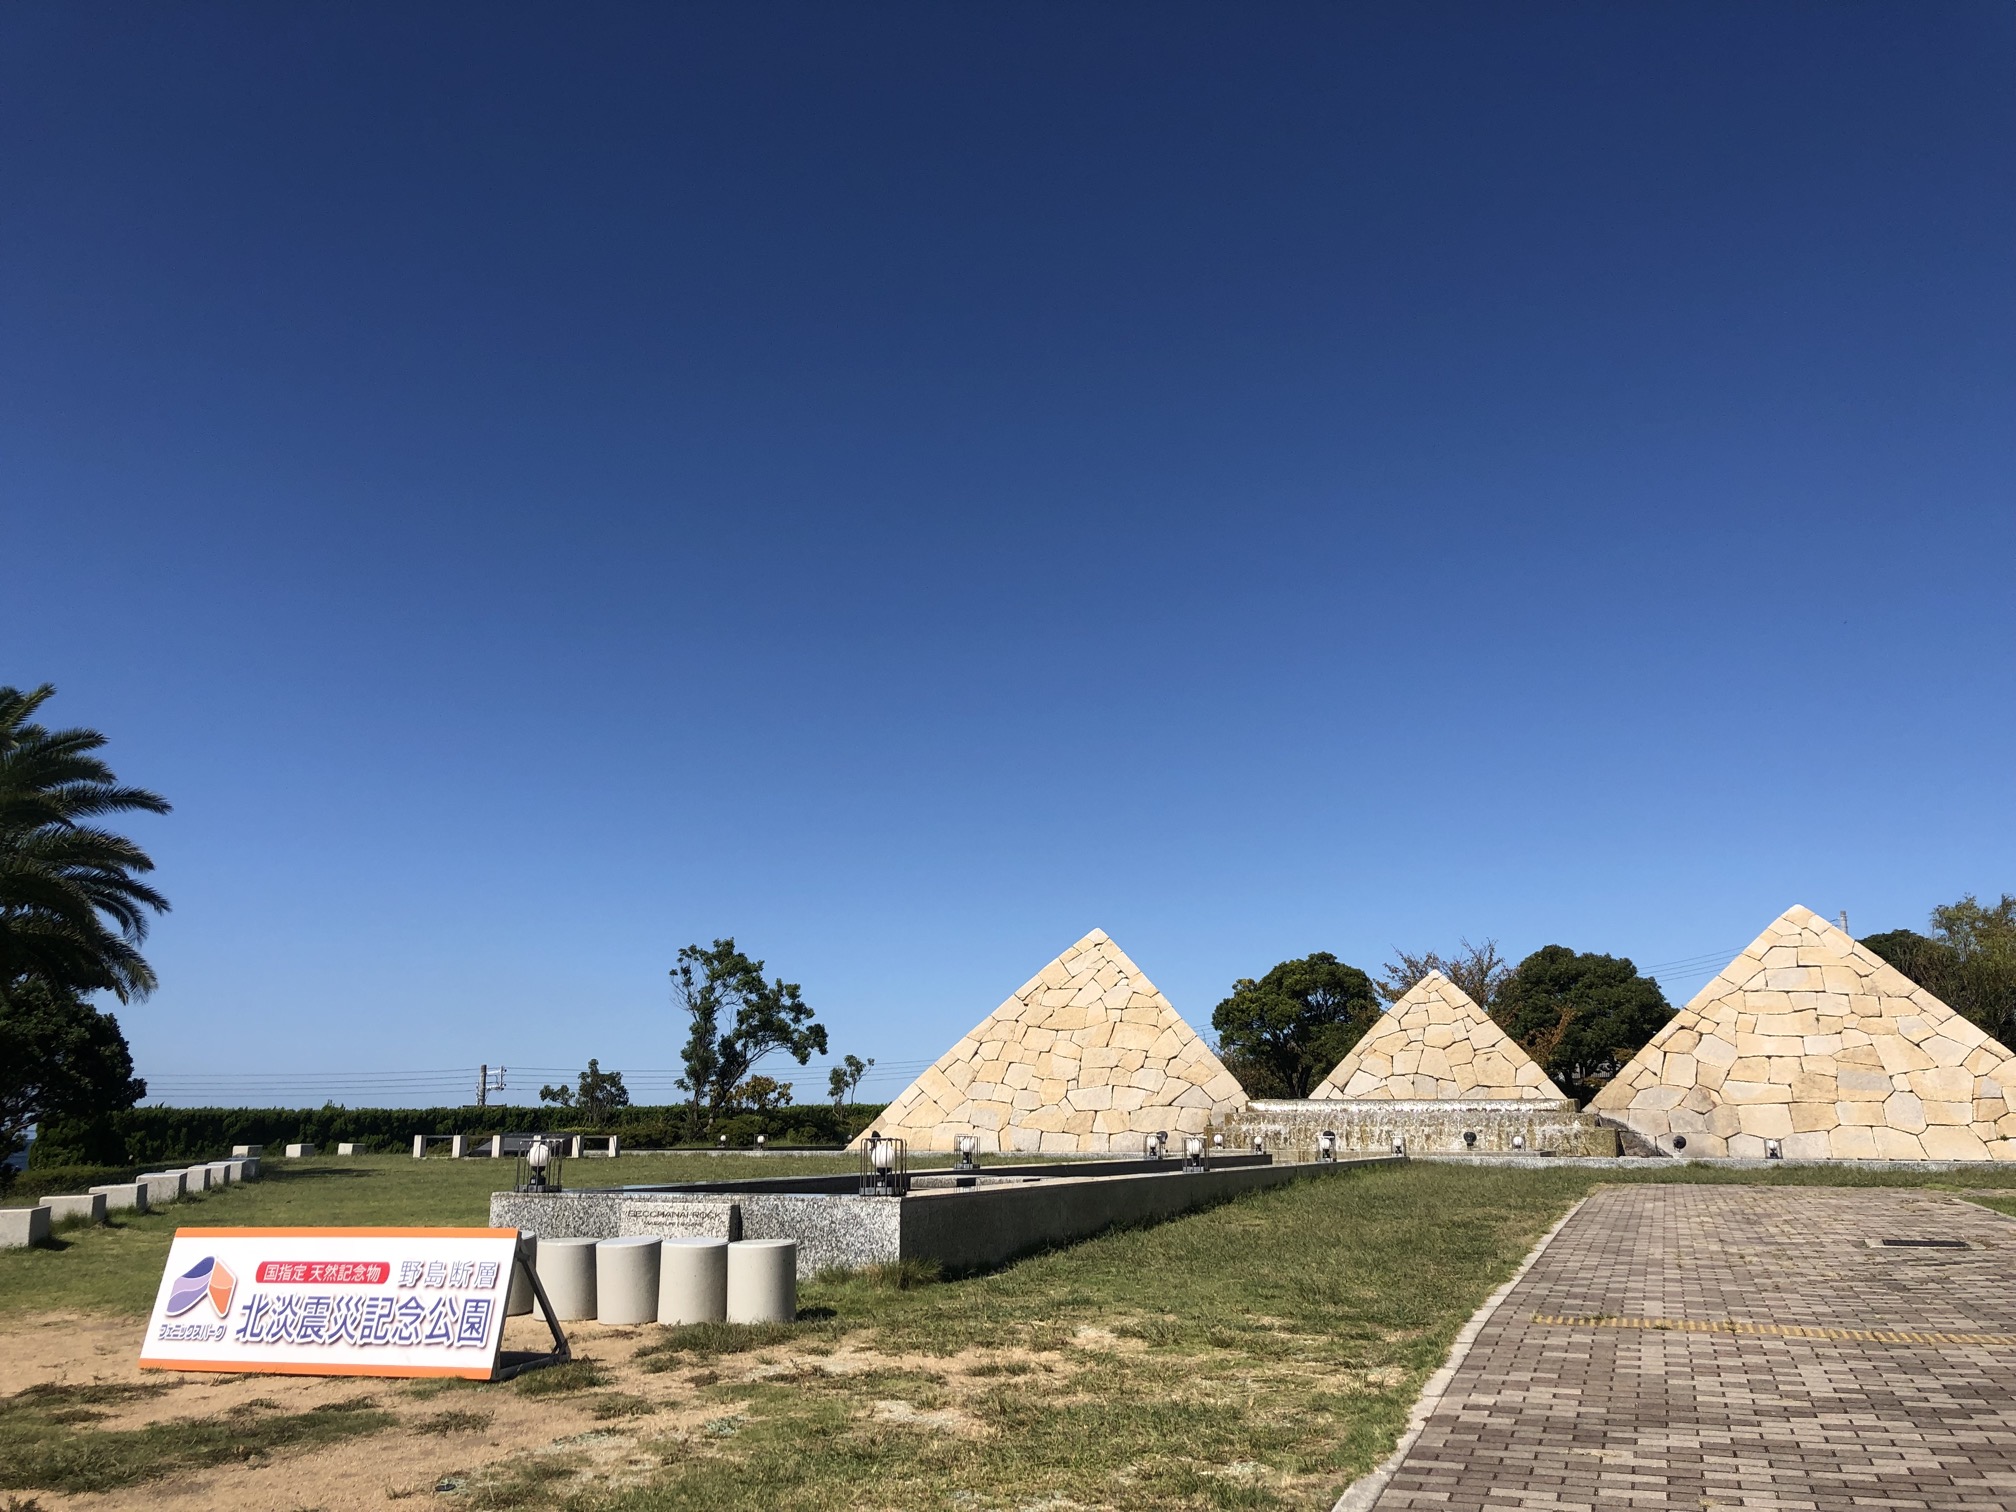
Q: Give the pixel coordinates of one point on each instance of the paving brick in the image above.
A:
(1757, 1403)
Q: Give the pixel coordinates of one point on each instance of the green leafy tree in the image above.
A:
(1477, 969)
(1581, 1016)
(1283, 1034)
(762, 1094)
(73, 910)
(595, 1095)
(843, 1079)
(762, 1017)
(60, 1059)
(1968, 961)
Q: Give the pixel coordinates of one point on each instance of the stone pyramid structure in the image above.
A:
(1087, 1058)
(1436, 1044)
(1808, 1039)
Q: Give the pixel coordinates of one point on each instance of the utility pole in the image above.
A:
(485, 1085)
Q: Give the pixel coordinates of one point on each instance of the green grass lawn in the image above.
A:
(1260, 1354)
(115, 1269)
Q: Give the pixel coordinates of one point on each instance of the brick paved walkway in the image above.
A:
(1606, 1407)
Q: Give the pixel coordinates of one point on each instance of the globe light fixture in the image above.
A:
(1773, 1150)
(1259, 1145)
(1326, 1145)
(968, 1145)
(885, 1167)
(1158, 1144)
(1518, 1141)
(1399, 1147)
(1193, 1152)
(724, 1141)
(760, 1140)
(539, 1167)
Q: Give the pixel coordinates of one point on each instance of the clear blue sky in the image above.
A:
(905, 485)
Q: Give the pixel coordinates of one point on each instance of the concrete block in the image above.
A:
(254, 1151)
(458, 1146)
(300, 1151)
(763, 1281)
(197, 1179)
(693, 1281)
(626, 1280)
(222, 1172)
(419, 1146)
(22, 1227)
(346, 1149)
(567, 1271)
(163, 1187)
(89, 1205)
(124, 1196)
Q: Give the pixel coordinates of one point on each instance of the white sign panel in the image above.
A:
(333, 1301)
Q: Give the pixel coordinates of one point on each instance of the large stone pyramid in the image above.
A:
(1087, 1058)
(1437, 1044)
(1809, 1039)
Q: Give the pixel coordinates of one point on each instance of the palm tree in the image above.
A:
(73, 911)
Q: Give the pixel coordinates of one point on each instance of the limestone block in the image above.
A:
(1766, 1120)
(1814, 1145)
(1946, 1142)
(1954, 1114)
(1852, 1142)
(1896, 1144)
(1903, 1111)
(1809, 1117)
(1746, 1147)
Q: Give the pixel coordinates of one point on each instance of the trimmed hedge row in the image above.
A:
(154, 1136)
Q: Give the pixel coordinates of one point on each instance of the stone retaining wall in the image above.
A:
(1425, 1127)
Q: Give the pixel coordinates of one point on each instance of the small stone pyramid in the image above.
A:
(1809, 1039)
(1087, 1058)
(1437, 1044)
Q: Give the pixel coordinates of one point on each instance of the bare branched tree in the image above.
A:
(1477, 969)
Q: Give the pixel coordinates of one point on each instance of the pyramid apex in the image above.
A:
(1800, 917)
(1096, 937)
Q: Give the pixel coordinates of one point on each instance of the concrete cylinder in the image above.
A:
(763, 1281)
(519, 1302)
(693, 1281)
(626, 1280)
(567, 1271)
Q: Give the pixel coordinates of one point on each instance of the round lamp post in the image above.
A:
(968, 1145)
(1326, 1145)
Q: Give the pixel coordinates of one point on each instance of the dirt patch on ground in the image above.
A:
(457, 1435)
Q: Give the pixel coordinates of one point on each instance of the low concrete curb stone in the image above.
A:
(22, 1227)
(163, 1187)
(1360, 1495)
(89, 1205)
(300, 1151)
(122, 1196)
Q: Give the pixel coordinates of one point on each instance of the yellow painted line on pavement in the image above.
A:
(1775, 1330)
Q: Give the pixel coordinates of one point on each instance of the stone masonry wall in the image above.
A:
(1436, 1043)
(1087, 1058)
(1809, 1039)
